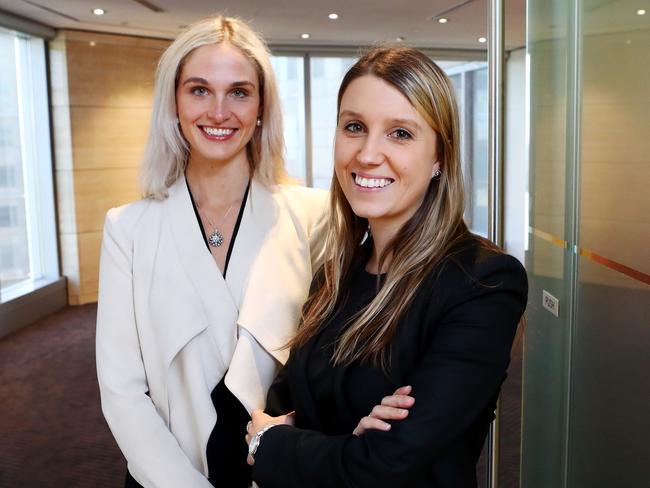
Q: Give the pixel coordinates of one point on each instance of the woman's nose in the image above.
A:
(219, 111)
(371, 153)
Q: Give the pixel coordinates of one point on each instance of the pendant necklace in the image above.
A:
(215, 239)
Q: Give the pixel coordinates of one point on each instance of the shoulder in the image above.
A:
(125, 220)
(302, 198)
(474, 263)
(307, 206)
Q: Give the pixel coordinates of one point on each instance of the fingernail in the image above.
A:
(387, 427)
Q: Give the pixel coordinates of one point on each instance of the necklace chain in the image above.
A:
(215, 238)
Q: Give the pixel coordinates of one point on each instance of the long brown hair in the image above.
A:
(423, 242)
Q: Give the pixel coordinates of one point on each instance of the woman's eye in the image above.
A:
(199, 91)
(353, 127)
(240, 93)
(401, 134)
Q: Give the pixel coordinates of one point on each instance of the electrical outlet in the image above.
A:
(550, 303)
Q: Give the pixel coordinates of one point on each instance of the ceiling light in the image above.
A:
(98, 11)
(641, 11)
(482, 40)
(305, 36)
(92, 43)
(333, 16)
(399, 39)
(443, 20)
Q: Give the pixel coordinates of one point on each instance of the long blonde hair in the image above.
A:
(167, 151)
(422, 243)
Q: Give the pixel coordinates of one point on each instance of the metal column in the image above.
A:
(496, 55)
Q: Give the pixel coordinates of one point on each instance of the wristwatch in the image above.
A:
(255, 441)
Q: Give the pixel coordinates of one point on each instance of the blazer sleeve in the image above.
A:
(154, 456)
(278, 399)
(458, 377)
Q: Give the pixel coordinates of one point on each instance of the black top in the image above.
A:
(363, 289)
(452, 346)
(227, 449)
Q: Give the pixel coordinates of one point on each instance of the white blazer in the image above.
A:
(169, 326)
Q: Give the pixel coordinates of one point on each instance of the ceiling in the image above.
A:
(360, 22)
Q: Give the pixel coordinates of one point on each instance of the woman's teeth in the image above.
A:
(214, 131)
(372, 182)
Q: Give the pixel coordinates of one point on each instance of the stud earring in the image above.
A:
(259, 122)
(437, 174)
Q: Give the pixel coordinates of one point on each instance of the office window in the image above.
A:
(327, 74)
(289, 71)
(8, 216)
(470, 82)
(7, 176)
(6, 256)
(27, 229)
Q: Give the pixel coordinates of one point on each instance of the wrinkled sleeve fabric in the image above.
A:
(461, 369)
(154, 456)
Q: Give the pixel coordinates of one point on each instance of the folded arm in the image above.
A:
(456, 380)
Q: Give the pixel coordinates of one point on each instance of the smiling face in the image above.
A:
(218, 103)
(385, 153)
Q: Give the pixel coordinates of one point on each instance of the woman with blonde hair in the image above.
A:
(201, 281)
(406, 296)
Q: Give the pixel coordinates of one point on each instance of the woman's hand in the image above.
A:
(259, 420)
(393, 407)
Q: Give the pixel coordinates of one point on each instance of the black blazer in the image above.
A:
(453, 347)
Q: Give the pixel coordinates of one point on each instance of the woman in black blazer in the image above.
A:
(421, 302)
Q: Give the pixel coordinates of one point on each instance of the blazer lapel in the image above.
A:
(270, 275)
(258, 218)
(279, 277)
(218, 304)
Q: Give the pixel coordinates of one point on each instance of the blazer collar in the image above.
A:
(218, 303)
(278, 281)
(257, 219)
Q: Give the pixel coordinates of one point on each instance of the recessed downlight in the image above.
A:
(641, 11)
(482, 40)
(98, 11)
(333, 16)
(443, 20)
(305, 36)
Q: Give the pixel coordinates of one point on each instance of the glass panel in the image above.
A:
(478, 191)
(289, 72)
(610, 401)
(28, 250)
(14, 245)
(548, 262)
(470, 82)
(326, 76)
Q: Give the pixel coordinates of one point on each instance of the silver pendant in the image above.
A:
(215, 239)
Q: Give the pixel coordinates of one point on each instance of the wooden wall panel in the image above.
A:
(102, 90)
(96, 191)
(106, 137)
(89, 248)
(111, 71)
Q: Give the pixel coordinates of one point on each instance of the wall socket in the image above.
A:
(550, 303)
